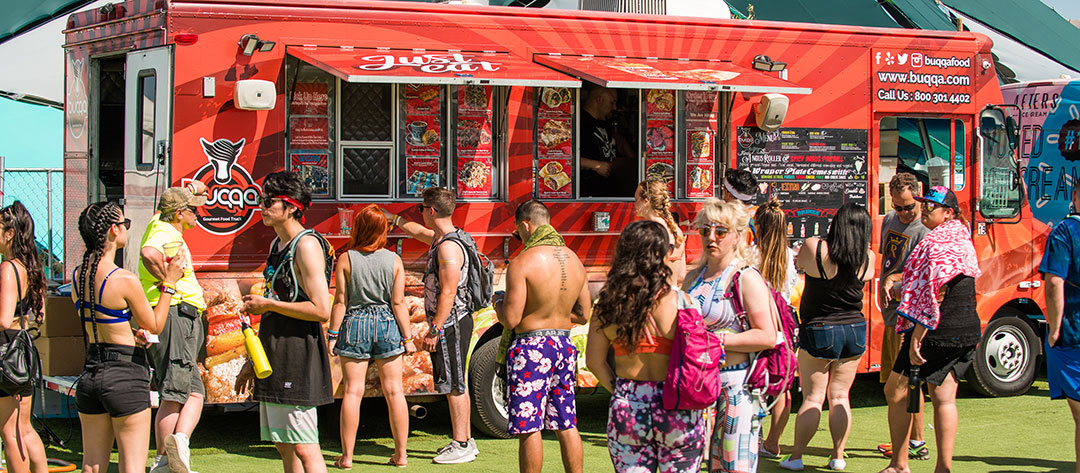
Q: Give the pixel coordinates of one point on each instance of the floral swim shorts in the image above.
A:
(542, 372)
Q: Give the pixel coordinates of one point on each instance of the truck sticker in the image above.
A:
(233, 195)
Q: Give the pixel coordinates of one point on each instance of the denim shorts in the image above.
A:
(833, 342)
(369, 332)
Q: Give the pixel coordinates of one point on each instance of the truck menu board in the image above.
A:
(423, 128)
(660, 136)
(309, 135)
(812, 171)
(700, 143)
(554, 143)
(473, 151)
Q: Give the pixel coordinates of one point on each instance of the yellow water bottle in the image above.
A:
(255, 351)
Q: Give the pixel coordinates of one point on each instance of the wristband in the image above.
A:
(332, 337)
(167, 288)
(437, 331)
(332, 332)
(397, 221)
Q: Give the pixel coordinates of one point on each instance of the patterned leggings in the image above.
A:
(645, 437)
(734, 445)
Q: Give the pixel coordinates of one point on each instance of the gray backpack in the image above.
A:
(480, 282)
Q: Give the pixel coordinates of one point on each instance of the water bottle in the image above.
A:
(914, 391)
(255, 351)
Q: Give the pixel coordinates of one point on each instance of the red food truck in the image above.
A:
(374, 101)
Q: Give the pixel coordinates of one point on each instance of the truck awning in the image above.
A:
(668, 74)
(426, 66)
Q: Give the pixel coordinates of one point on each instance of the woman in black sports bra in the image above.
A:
(22, 294)
(113, 393)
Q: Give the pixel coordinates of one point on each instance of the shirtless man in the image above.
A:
(543, 285)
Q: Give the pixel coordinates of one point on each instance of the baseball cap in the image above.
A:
(176, 198)
(942, 196)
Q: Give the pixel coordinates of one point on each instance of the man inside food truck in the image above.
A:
(605, 154)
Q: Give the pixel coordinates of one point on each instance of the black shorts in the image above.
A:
(6, 337)
(448, 361)
(940, 361)
(118, 385)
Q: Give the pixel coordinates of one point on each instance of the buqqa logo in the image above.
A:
(233, 196)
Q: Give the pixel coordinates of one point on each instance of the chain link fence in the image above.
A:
(41, 190)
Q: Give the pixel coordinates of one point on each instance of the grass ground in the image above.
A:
(1029, 433)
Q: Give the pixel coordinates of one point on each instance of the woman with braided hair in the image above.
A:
(113, 393)
(652, 202)
(22, 294)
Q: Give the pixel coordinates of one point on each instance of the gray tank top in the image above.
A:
(372, 277)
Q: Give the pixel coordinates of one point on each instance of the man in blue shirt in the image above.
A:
(1061, 271)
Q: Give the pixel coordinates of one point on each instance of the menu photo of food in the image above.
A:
(556, 99)
(474, 137)
(423, 99)
(474, 178)
(659, 138)
(699, 181)
(659, 102)
(474, 99)
(555, 137)
(700, 143)
(554, 178)
(422, 132)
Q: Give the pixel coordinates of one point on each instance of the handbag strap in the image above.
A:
(18, 294)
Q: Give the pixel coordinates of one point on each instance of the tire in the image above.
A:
(489, 410)
(1006, 359)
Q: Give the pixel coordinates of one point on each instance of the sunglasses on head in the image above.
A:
(126, 223)
(904, 208)
(717, 229)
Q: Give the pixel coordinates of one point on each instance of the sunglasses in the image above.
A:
(904, 208)
(267, 201)
(931, 206)
(716, 229)
(126, 223)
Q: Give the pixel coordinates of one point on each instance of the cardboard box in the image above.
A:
(61, 356)
(60, 318)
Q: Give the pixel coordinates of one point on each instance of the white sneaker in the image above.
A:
(455, 453)
(161, 464)
(837, 464)
(472, 445)
(179, 453)
(788, 464)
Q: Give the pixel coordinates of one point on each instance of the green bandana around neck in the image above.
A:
(545, 235)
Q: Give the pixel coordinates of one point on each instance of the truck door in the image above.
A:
(147, 131)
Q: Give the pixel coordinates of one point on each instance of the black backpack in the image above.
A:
(481, 278)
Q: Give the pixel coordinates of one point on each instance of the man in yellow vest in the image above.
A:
(180, 387)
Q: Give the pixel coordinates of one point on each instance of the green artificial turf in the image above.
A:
(1026, 433)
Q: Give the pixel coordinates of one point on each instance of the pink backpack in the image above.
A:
(772, 371)
(693, 380)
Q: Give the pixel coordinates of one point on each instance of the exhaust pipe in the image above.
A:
(418, 411)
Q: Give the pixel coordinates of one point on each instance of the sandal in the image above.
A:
(391, 462)
(922, 452)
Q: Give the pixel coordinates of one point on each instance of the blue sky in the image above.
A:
(1070, 9)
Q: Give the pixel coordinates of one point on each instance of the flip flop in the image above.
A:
(391, 462)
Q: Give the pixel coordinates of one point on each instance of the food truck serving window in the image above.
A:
(387, 124)
(636, 119)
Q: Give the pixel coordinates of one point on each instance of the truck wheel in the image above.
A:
(489, 410)
(1006, 358)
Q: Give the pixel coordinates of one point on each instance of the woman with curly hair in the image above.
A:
(22, 294)
(652, 202)
(113, 393)
(636, 314)
(726, 256)
(369, 322)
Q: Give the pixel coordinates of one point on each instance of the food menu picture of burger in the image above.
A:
(701, 122)
(473, 152)
(554, 143)
(422, 136)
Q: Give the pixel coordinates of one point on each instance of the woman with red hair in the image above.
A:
(369, 321)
